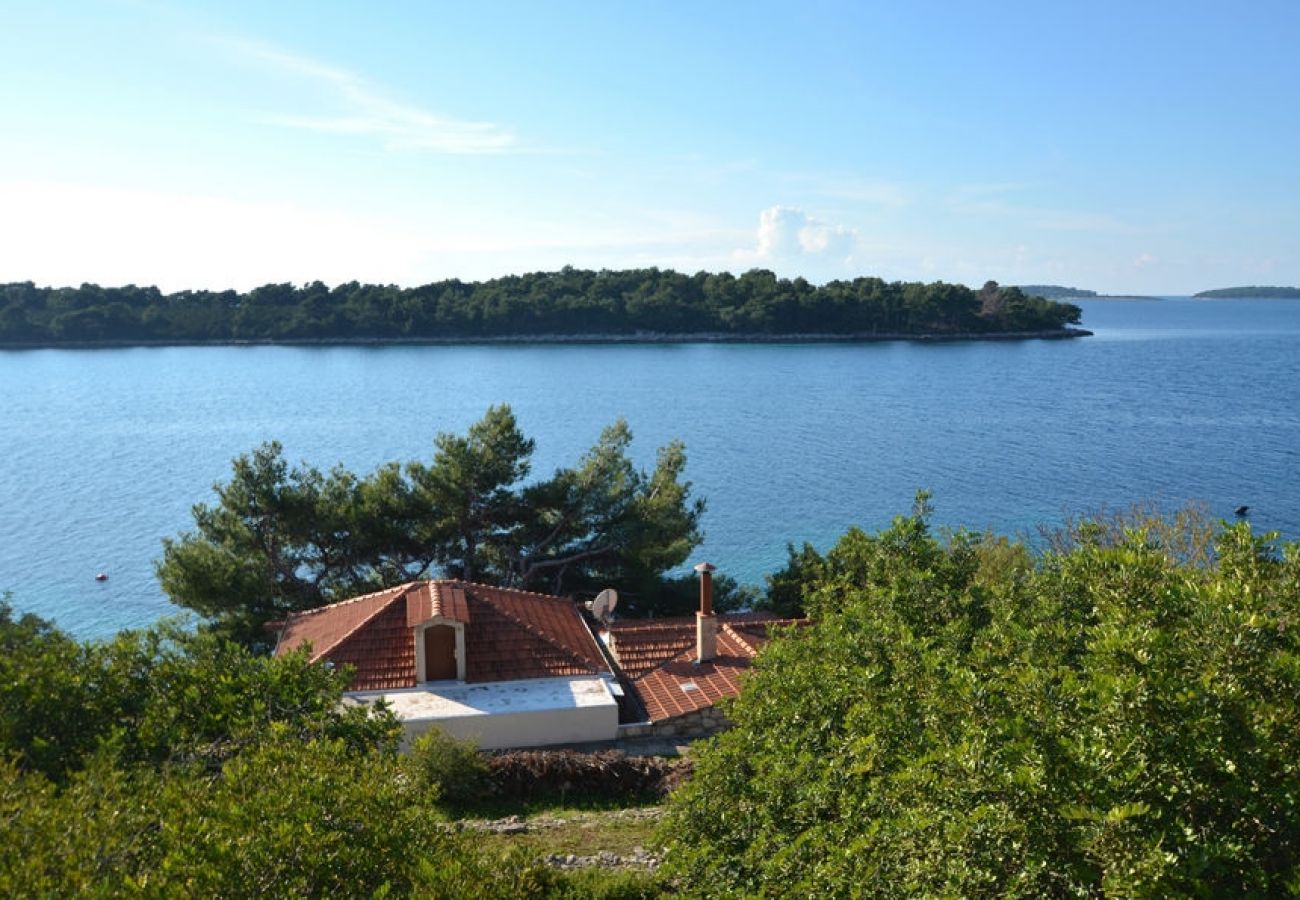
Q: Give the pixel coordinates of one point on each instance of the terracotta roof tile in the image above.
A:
(641, 644)
(516, 634)
(325, 628)
(509, 634)
(680, 685)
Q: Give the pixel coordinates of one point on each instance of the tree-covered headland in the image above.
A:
(570, 302)
(1118, 715)
(1253, 291)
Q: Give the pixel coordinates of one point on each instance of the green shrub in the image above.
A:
(1110, 720)
(162, 695)
(447, 771)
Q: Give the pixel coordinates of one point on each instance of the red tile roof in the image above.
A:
(640, 645)
(509, 634)
(676, 684)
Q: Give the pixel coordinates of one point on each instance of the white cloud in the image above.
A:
(791, 240)
(366, 110)
(1144, 260)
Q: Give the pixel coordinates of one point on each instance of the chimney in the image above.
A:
(706, 623)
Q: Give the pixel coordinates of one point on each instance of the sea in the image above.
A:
(104, 452)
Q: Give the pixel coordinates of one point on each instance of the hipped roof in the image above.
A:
(509, 634)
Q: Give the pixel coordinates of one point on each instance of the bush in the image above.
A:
(285, 819)
(162, 695)
(1108, 720)
(447, 771)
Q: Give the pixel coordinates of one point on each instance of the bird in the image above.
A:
(1241, 511)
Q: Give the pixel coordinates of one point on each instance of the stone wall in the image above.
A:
(700, 723)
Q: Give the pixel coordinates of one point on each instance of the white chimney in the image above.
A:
(706, 623)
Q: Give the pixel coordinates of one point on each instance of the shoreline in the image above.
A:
(635, 338)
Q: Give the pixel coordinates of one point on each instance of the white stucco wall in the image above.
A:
(505, 714)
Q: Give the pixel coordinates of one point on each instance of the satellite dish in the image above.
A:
(604, 605)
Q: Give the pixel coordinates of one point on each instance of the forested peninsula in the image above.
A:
(571, 304)
(1254, 291)
(1057, 292)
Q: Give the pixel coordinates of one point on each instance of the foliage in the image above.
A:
(446, 770)
(285, 819)
(280, 539)
(785, 586)
(965, 719)
(1185, 535)
(170, 764)
(680, 596)
(159, 696)
(568, 302)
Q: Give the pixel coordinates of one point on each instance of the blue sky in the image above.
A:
(1126, 147)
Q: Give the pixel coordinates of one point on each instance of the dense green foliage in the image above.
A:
(447, 770)
(568, 302)
(173, 765)
(1253, 291)
(283, 819)
(281, 539)
(160, 696)
(969, 719)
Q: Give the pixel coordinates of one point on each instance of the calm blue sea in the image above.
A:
(104, 451)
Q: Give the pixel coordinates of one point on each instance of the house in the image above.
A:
(678, 669)
(500, 667)
(510, 668)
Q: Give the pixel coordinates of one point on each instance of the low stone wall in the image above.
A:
(701, 723)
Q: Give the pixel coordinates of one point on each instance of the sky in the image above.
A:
(1135, 147)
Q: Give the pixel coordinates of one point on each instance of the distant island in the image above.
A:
(568, 305)
(1061, 292)
(1270, 293)
(1057, 292)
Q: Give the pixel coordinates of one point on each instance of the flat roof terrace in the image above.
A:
(498, 714)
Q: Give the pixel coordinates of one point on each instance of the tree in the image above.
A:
(280, 539)
(785, 587)
(965, 719)
(604, 522)
(468, 498)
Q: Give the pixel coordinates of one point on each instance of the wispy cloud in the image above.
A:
(366, 109)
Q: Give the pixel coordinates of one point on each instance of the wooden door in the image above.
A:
(440, 653)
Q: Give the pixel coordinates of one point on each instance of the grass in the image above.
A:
(581, 831)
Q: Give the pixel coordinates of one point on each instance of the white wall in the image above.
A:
(537, 728)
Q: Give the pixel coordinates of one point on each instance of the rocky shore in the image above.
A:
(640, 337)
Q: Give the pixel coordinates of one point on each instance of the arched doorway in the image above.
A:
(440, 653)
